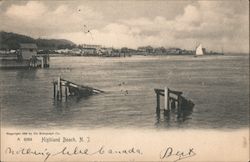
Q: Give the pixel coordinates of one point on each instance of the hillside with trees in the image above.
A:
(12, 41)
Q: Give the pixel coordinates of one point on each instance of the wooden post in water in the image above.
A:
(179, 104)
(66, 92)
(35, 62)
(54, 86)
(42, 66)
(47, 60)
(157, 102)
(166, 98)
(58, 88)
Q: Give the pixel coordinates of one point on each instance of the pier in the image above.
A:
(28, 53)
(173, 100)
(40, 61)
(68, 88)
(17, 61)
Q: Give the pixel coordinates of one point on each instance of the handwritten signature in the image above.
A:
(176, 155)
(71, 152)
(168, 153)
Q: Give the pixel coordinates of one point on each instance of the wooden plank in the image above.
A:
(175, 92)
(158, 90)
(81, 86)
(161, 91)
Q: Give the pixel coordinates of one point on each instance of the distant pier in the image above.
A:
(25, 57)
(41, 61)
(13, 61)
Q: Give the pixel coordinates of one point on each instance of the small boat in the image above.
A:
(199, 51)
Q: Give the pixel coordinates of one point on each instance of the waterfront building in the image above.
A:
(28, 50)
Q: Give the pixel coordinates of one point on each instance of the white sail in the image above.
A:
(199, 51)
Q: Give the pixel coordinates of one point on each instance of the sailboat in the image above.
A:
(199, 51)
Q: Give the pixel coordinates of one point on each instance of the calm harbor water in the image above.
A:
(218, 85)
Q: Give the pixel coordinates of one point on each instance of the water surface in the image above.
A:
(218, 85)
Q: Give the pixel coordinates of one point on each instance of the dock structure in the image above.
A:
(45, 59)
(71, 89)
(28, 53)
(173, 100)
(41, 61)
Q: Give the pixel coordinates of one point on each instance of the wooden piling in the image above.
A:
(157, 103)
(173, 104)
(54, 87)
(42, 66)
(58, 88)
(57, 93)
(179, 103)
(166, 98)
(60, 91)
(173, 100)
(72, 89)
(66, 92)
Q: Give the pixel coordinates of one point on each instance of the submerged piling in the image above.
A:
(66, 92)
(72, 89)
(158, 103)
(166, 98)
(172, 100)
(54, 88)
(58, 88)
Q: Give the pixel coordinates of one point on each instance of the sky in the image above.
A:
(215, 24)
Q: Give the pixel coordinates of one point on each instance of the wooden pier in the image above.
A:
(69, 88)
(173, 100)
(41, 61)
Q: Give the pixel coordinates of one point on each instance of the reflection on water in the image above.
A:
(65, 104)
(26, 74)
(174, 115)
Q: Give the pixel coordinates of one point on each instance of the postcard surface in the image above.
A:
(124, 80)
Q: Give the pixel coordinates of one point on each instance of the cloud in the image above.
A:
(61, 10)
(191, 16)
(29, 12)
(214, 24)
(112, 35)
(41, 20)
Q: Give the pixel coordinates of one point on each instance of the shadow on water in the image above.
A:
(176, 114)
(65, 104)
(26, 74)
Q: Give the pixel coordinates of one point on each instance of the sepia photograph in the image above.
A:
(124, 80)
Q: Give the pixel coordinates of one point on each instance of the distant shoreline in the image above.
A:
(128, 55)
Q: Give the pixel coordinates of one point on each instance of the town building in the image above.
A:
(91, 46)
(28, 50)
(89, 51)
(76, 51)
(173, 51)
(147, 49)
